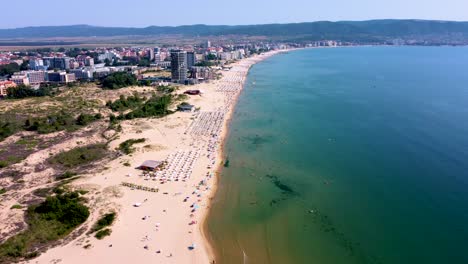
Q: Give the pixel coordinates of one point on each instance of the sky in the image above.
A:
(142, 13)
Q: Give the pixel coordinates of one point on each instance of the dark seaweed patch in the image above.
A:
(283, 187)
(353, 248)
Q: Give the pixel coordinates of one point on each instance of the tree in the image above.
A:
(107, 62)
(9, 69)
(211, 57)
(25, 65)
(119, 80)
(144, 62)
(23, 91)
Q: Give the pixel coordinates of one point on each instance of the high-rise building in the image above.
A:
(208, 44)
(150, 54)
(179, 65)
(36, 64)
(191, 59)
(62, 63)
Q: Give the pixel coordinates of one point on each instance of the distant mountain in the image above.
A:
(372, 30)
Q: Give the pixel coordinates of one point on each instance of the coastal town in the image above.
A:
(150, 176)
(190, 64)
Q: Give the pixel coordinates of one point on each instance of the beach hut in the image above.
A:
(184, 107)
(150, 165)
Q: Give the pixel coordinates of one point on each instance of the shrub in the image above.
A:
(124, 103)
(127, 146)
(103, 233)
(65, 175)
(2, 191)
(85, 119)
(104, 221)
(16, 206)
(7, 129)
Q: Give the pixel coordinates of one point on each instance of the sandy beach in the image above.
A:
(164, 226)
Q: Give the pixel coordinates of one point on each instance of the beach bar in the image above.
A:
(150, 165)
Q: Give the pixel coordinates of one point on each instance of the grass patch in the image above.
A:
(49, 221)
(80, 156)
(2, 191)
(127, 146)
(16, 206)
(103, 233)
(10, 161)
(28, 143)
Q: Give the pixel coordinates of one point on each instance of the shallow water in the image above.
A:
(348, 155)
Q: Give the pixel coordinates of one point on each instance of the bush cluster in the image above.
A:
(49, 221)
(58, 122)
(23, 91)
(127, 146)
(125, 103)
(118, 80)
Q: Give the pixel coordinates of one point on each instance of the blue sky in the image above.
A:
(141, 13)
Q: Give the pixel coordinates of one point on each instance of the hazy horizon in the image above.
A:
(126, 26)
(210, 12)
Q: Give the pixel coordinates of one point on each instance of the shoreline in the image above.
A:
(221, 155)
(164, 227)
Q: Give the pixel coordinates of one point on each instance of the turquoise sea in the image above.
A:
(348, 155)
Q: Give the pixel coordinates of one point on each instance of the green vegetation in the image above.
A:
(29, 143)
(10, 160)
(80, 156)
(211, 57)
(58, 122)
(103, 233)
(42, 192)
(144, 62)
(119, 80)
(9, 69)
(125, 103)
(205, 63)
(23, 91)
(49, 221)
(7, 129)
(85, 119)
(105, 221)
(156, 106)
(127, 146)
(65, 175)
(2, 191)
(16, 206)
